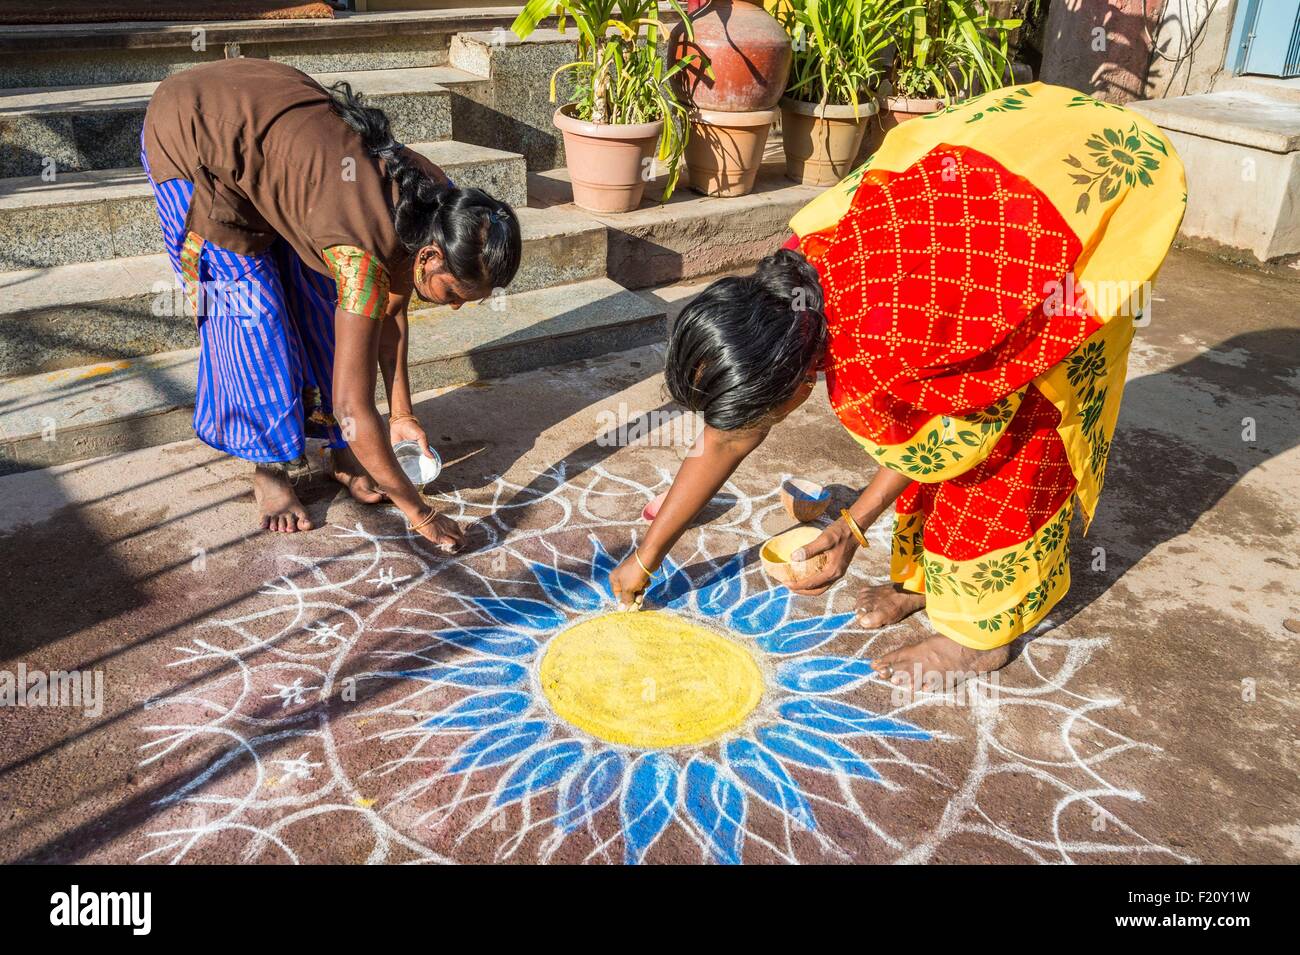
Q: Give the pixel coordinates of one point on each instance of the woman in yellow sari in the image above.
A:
(970, 293)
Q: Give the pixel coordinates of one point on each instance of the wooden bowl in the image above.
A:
(652, 508)
(804, 500)
(775, 555)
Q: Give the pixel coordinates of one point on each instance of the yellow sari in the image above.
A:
(983, 271)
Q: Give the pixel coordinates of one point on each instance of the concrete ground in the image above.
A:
(344, 695)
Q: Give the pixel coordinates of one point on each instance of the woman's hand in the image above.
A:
(407, 428)
(629, 583)
(442, 532)
(839, 545)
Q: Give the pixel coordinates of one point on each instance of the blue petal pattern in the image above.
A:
(722, 590)
(567, 589)
(814, 750)
(711, 797)
(800, 635)
(493, 640)
(673, 588)
(497, 745)
(474, 673)
(716, 804)
(520, 612)
(840, 719)
(648, 803)
(761, 613)
(601, 566)
(590, 789)
(822, 674)
(541, 771)
(767, 779)
(480, 710)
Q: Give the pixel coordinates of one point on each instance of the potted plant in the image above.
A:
(747, 57)
(623, 103)
(947, 50)
(841, 50)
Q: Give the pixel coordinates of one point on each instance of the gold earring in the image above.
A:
(419, 273)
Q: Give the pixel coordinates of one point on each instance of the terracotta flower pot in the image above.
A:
(725, 150)
(607, 162)
(903, 108)
(896, 109)
(822, 142)
(748, 50)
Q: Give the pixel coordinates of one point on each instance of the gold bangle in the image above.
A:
(433, 512)
(402, 417)
(854, 529)
(650, 574)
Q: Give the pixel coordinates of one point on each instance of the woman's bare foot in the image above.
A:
(279, 505)
(886, 604)
(938, 663)
(347, 470)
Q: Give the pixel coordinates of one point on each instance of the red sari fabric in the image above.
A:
(938, 300)
(936, 283)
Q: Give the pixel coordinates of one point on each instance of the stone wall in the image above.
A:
(1101, 47)
(1191, 46)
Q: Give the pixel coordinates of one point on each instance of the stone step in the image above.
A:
(1240, 149)
(82, 128)
(110, 213)
(1273, 87)
(512, 104)
(57, 54)
(690, 235)
(1244, 117)
(118, 406)
(81, 314)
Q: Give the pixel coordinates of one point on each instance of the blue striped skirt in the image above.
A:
(266, 336)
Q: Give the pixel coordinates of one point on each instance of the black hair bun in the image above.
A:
(788, 275)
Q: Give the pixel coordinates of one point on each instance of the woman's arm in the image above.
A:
(712, 460)
(356, 357)
(393, 340)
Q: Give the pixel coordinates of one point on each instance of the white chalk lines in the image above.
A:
(380, 703)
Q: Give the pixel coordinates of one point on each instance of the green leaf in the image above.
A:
(533, 13)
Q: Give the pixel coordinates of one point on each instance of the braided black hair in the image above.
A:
(477, 233)
(744, 345)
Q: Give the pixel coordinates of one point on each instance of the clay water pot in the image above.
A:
(748, 50)
(821, 142)
(804, 500)
(725, 150)
(775, 555)
(607, 161)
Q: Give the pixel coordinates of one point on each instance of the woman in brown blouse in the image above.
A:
(300, 228)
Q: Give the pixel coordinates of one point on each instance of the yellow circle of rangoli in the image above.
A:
(649, 679)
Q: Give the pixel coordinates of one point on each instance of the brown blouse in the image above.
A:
(270, 158)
